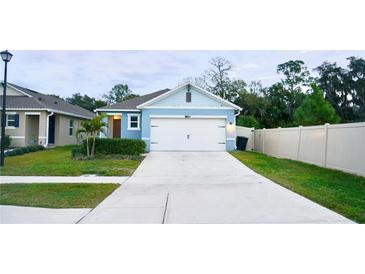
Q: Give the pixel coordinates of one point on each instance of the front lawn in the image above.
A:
(336, 190)
(58, 162)
(55, 195)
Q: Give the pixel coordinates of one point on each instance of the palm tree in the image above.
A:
(91, 129)
(86, 128)
(97, 126)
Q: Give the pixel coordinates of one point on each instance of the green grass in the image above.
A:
(58, 162)
(336, 190)
(55, 195)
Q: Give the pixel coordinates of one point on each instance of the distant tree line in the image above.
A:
(117, 94)
(336, 95)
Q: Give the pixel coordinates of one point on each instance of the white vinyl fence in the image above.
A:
(248, 133)
(340, 146)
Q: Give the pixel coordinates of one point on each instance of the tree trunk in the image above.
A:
(87, 146)
(93, 147)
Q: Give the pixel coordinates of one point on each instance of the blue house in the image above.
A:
(186, 118)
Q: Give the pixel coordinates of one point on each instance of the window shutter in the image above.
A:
(16, 120)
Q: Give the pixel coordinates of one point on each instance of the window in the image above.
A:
(10, 120)
(133, 122)
(188, 97)
(71, 128)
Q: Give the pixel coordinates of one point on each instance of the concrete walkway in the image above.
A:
(36, 215)
(62, 179)
(204, 187)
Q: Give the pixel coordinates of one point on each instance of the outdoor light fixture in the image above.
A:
(6, 56)
(231, 130)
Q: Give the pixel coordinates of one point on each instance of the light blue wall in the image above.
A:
(230, 144)
(125, 133)
(178, 99)
(129, 134)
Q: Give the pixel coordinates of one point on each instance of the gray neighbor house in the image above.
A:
(34, 118)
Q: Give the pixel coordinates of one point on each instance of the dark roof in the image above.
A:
(134, 102)
(43, 101)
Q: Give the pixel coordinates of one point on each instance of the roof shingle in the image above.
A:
(42, 101)
(134, 102)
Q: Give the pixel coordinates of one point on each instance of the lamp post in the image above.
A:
(6, 56)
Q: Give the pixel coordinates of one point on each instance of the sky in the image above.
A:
(95, 72)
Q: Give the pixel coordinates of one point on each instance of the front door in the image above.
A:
(116, 128)
(51, 129)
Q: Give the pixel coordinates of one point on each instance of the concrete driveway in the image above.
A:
(204, 187)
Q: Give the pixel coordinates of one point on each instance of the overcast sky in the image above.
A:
(96, 72)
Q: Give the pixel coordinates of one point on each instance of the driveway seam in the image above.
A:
(84, 216)
(102, 201)
(164, 213)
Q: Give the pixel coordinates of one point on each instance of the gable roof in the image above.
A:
(201, 90)
(132, 104)
(140, 102)
(35, 100)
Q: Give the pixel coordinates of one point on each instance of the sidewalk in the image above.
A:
(36, 215)
(63, 179)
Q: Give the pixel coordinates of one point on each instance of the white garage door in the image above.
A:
(188, 134)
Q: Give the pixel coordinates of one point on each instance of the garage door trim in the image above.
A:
(162, 140)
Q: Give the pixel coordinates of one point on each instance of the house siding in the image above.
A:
(12, 92)
(32, 129)
(130, 134)
(42, 140)
(146, 113)
(178, 99)
(62, 136)
(17, 135)
(20, 135)
(109, 121)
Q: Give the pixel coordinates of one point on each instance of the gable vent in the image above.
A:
(188, 97)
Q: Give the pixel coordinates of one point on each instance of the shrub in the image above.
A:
(247, 121)
(23, 150)
(107, 146)
(11, 153)
(77, 152)
(7, 141)
(83, 157)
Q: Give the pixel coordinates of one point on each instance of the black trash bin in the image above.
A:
(241, 142)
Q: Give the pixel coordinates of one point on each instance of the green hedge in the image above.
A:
(108, 146)
(78, 151)
(23, 150)
(247, 121)
(7, 141)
